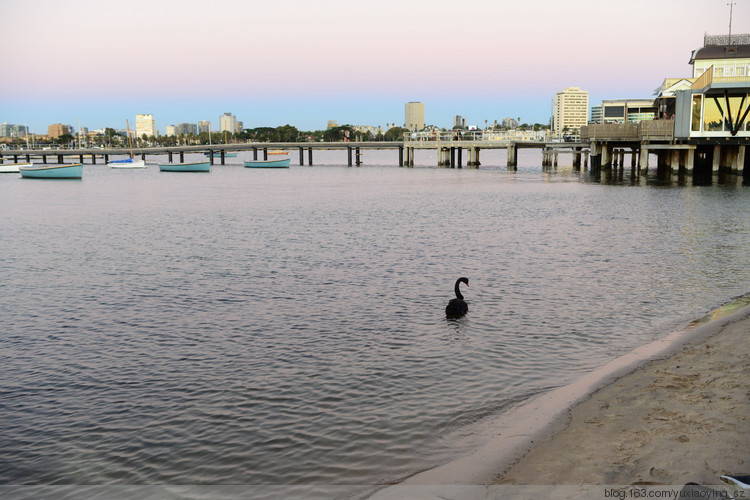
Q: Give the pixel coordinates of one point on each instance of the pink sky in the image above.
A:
(305, 62)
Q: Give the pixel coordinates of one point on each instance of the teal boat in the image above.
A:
(268, 163)
(71, 171)
(203, 166)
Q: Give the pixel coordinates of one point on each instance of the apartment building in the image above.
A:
(145, 125)
(228, 123)
(571, 111)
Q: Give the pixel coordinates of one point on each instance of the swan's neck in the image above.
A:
(458, 292)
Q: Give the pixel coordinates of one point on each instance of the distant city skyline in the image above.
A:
(496, 60)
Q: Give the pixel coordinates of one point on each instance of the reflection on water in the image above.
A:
(288, 328)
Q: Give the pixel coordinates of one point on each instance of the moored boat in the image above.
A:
(128, 163)
(268, 163)
(12, 168)
(202, 166)
(71, 171)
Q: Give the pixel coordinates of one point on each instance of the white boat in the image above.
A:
(129, 162)
(12, 168)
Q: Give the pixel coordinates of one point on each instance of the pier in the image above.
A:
(215, 152)
(450, 151)
(601, 147)
(450, 146)
(611, 143)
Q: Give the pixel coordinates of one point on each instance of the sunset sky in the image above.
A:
(304, 62)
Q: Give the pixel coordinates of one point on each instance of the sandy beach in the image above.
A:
(673, 412)
(673, 421)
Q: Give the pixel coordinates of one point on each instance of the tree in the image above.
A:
(395, 134)
(287, 133)
(336, 134)
(65, 139)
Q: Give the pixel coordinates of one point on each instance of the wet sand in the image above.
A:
(682, 419)
(669, 413)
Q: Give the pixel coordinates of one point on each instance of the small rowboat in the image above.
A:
(267, 163)
(12, 168)
(203, 166)
(72, 171)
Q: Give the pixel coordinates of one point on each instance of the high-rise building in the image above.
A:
(145, 125)
(204, 126)
(186, 129)
(228, 123)
(170, 131)
(459, 121)
(571, 111)
(414, 119)
(10, 130)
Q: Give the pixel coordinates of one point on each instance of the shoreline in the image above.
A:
(563, 437)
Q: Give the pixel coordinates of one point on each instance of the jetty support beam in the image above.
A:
(473, 157)
(512, 162)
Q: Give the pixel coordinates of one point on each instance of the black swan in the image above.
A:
(457, 307)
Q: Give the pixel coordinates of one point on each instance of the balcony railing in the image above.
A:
(705, 79)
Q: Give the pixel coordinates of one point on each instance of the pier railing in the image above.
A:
(656, 130)
(477, 136)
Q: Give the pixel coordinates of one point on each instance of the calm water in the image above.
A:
(287, 327)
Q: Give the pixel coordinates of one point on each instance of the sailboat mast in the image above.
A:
(130, 141)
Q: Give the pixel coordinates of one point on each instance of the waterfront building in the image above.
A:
(332, 124)
(228, 123)
(414, 116)
(145, 125)
(58, 129)
(624, 111)
(171, 131)
(703, 119)
(459, 122)
(729, 56)
(717, 104)
(204, 126)
(571, 111)
(240, 126)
